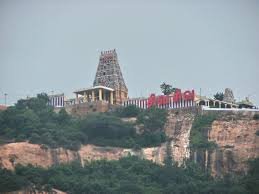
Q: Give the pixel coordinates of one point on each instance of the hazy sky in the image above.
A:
(55, 45)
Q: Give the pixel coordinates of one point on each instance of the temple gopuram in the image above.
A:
(109, 85)
(108, 91)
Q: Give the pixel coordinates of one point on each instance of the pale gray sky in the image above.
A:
(55, 44)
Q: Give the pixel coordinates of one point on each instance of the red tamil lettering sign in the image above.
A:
(177, 96)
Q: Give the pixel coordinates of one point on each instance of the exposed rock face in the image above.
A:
(234, 133)
(178, 128)
(237, 142)
(25, 153)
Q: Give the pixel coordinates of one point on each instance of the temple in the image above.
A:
(109, 85)
(109, 91)
(109, 75)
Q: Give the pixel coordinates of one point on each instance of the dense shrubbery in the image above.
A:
(36, 122)
(200, 127)
(128, 175)
(129, 111)
(32, 120)
(153, 118)
(101, 125)
(256, 117)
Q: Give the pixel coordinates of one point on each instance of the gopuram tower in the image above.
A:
(109, 75)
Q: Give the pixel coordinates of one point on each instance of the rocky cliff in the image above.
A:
(177, 128)
(25, 153)
(236, 139)
(233, 133)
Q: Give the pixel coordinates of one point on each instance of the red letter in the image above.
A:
(177, 95)
(187, 95)
(151, 100)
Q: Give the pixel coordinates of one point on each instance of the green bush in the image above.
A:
(199, 131)
(127, 175)
(153, 118)
(129, 111)
(256, 117)
(9, 181)
(101, 125)
(148, 139)
(33, 120)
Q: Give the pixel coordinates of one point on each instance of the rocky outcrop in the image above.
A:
(178, 128)
(234, 133)
(236, 142)
(25, 153)
(91, 152)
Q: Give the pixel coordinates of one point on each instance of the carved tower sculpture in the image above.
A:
(229, 96)
(109, 75)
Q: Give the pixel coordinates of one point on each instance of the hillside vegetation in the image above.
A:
(128, 175)
(199, 132)
(32, 120)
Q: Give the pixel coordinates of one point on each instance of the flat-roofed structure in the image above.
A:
(56, 100)
(214, 103)
(96, 93)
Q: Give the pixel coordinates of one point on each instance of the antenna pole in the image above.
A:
(5, 98)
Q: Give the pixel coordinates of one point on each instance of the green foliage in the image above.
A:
(104, 130)
(153, 118)
(166, 88)
(101, 125)
(63, 117)
(219, 96)
(33, 120)
(148, 139)
(251, 181)
(256, 117)
(9, 181)
(127, 175)
(199, 131)
(129, 111)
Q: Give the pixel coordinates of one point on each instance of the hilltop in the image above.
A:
(187, 146)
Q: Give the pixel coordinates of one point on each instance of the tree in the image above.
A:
(167, 88)
(104, 126)
(219, 96)
(63, 117)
